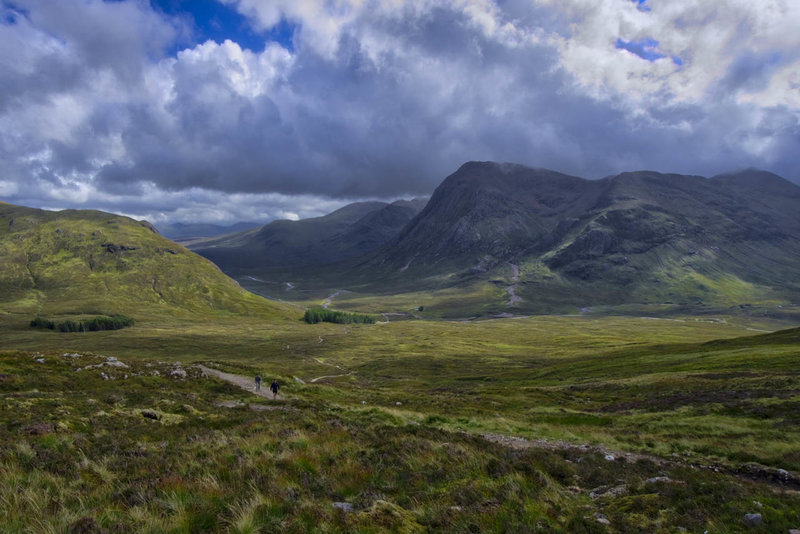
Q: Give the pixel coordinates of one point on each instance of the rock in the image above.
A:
(179, 373)
(753, 519)
(151, 414)
(113, 362)
(794, 531)
(610, 457)
(345, 507)
(606, 491)
(398, 403)
(658, 479)
(39, 360)
(602, 519)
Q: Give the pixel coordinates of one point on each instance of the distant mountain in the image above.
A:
(501, 210)
(349, 232)
(89, 262)
(538, 241)
(639, 237)
(186, 231)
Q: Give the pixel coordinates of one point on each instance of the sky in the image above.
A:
(220, 111)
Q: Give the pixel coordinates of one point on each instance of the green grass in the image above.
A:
(628, 383)
(77, 453)
(63, 264)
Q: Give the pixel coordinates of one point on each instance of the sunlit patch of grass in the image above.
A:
(245, 514)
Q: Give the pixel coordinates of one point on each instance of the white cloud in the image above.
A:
(383, 98)
(707, 37)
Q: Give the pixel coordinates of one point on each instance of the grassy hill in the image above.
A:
(78, 262)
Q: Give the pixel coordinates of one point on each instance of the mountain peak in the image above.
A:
(758, 180)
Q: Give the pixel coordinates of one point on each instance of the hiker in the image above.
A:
(274, 387)
(258, 382)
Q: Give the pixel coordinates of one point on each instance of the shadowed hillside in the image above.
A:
(191, 231)
(349, 232)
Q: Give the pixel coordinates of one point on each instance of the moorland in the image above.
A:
(602, 420)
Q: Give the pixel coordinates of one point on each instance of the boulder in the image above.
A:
(178, 373)
(343, 506)
(753, 520)
(151, 414)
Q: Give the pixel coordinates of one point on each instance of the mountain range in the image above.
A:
(349, 232)
(493, 238)
(552, 242)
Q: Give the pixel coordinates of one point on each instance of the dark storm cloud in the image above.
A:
(383, 102)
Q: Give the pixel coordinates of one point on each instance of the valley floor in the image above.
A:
(566, 424)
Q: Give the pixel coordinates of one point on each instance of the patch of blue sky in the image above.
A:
(641, 5)
(646, 49)
(213, 20)
(11, 13)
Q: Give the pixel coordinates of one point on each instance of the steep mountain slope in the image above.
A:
(348, 232)
(90, 262)
(496, 209)
(640, 237)
(186, 231)
(502, 237)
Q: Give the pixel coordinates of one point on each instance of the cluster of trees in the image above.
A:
(319, 315)
(95, 324)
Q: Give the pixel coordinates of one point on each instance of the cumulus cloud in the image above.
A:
(383, 98)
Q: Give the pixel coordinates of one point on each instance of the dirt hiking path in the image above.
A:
(243, 382)
(770, 475)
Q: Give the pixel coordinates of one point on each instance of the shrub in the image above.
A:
(319, 315)
(41, 322)
(95, 324)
